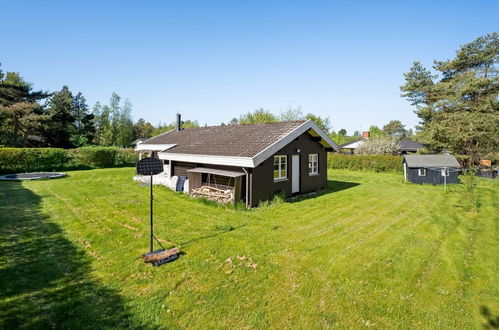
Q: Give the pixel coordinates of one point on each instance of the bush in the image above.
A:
(377, 163)
(469, 193)
(16, 160)
(95, 157)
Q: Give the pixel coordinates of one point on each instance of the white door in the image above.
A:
(295, 174)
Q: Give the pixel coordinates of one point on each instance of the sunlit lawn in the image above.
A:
(369, 252)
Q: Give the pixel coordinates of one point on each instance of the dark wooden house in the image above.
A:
(254, 162)
(432, 169)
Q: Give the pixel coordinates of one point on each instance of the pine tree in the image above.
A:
(84, 122)
(395, 129)
(59, 126)
(457, 106)
(20, 114)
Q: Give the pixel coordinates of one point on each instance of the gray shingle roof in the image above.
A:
(229, 140)
(409, 145)
(431, 161)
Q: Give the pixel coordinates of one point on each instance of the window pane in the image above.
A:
(276, 174)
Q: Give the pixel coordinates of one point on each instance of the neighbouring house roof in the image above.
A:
(431, 161)
(235, 145)
(403, 145)
(409, 145)
(352, 144)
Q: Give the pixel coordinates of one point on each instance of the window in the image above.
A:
(422, 172)
(280, 167)
(445, 172)
(313, 164)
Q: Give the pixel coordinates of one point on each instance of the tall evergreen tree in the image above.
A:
(84, 131)
(456, 107)
(142, 129)
(59, 126)
(20, 114)
(395, 129)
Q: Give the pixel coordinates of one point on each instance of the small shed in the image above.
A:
(432, 169)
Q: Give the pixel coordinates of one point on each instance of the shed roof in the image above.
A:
(431, 161)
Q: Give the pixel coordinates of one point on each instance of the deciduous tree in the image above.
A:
(259, 116)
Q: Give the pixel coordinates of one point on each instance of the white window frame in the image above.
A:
(444, 172)
(422, 171)
(313, 164)
(282, 174)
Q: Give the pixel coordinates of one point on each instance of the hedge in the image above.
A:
(377, 163)
(18, 160)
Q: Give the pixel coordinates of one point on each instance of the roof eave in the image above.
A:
(208, 159)
(153, 147)
(276, 146)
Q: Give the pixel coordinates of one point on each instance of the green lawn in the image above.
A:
(369, 252)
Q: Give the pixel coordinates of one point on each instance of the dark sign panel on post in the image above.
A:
(149, 166)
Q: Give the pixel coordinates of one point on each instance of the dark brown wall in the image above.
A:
(180, 168)
(263, 185)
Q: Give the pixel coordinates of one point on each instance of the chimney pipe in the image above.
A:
(179, 123)
(365, 135)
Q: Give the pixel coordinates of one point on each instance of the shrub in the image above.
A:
(469, 193)
(377, 163)
(382, 146)
(125, 157)
(15, 160)
(95, 157)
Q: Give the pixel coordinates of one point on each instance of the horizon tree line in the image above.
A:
(457, 103)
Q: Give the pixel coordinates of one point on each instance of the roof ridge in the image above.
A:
(252, 124)
(153, 137)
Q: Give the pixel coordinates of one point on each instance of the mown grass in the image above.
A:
(370, 251)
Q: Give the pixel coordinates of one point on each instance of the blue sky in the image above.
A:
(213, 60)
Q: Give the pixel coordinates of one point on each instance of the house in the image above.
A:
(404, 146)
(433, 169)
(252, 162)
(350, 147)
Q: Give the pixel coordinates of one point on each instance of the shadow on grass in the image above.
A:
(45, 279)
(332, 187)
(220, 231)
(491, 320)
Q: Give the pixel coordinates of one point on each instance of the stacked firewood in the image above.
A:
(222, 196)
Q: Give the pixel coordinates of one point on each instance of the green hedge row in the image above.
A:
(18, 160)
(377, 163)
